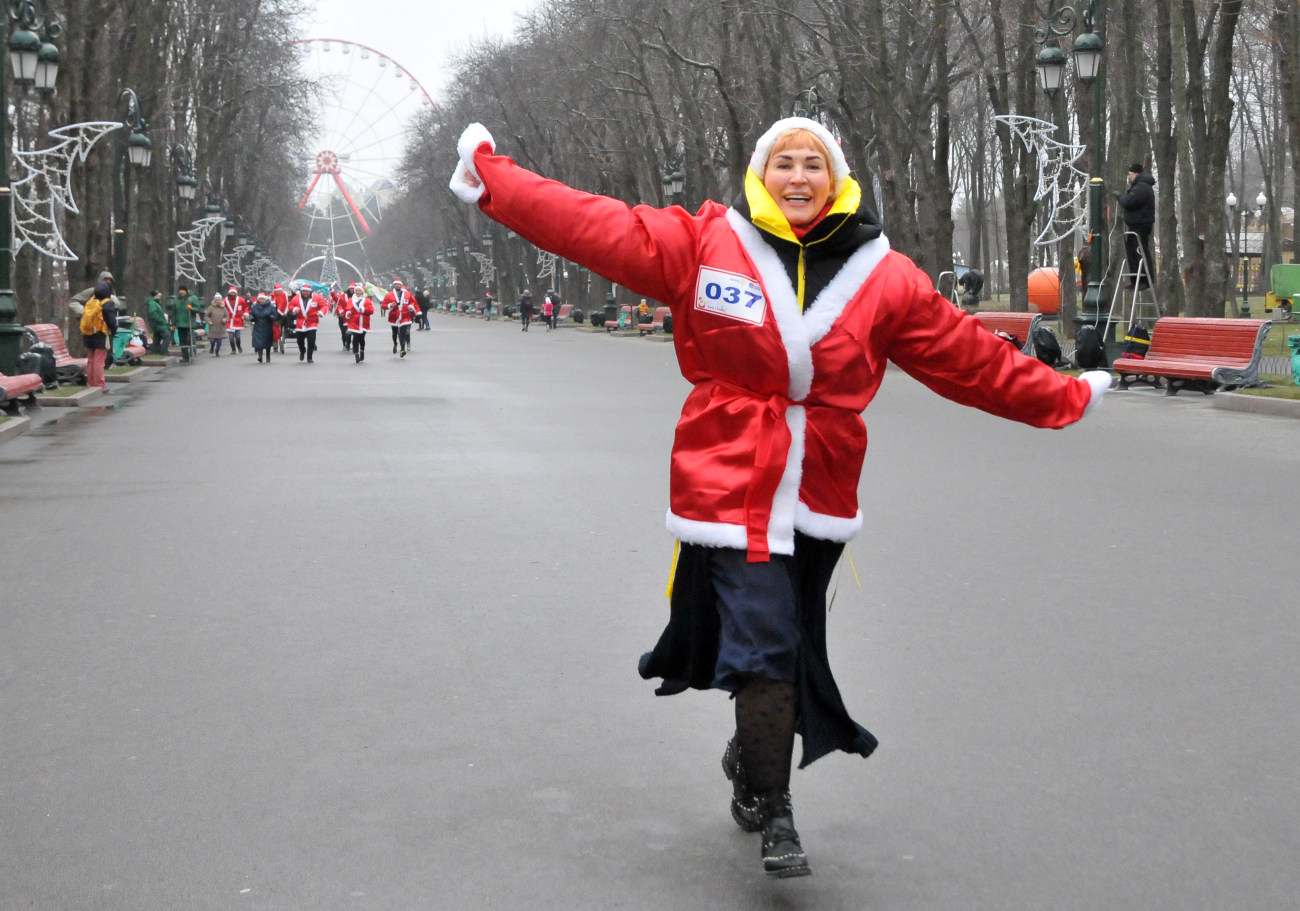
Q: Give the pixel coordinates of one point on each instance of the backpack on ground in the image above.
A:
(1089, 352)
(1046, 348)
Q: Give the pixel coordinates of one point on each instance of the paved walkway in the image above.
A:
(364, 636)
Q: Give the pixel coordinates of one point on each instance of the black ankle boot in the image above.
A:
(783, 856)
(744, 802)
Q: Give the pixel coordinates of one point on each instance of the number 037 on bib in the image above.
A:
(731, 295)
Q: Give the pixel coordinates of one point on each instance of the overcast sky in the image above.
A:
(418, 34)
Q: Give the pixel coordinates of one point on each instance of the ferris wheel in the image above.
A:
(367, 102)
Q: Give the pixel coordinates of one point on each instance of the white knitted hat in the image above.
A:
(839, 166)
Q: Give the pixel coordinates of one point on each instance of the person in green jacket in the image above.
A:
(181, 310)
(159, 328)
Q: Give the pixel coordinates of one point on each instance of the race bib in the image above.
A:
(731, 295)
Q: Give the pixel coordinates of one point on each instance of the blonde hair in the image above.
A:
(798, 138)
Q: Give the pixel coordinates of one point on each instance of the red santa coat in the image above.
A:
(306, 316)
(237, 310)
(281, 301)
(357, 311)
(771, 439)
(400, 307)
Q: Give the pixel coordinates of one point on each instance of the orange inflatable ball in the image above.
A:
(1045, 290)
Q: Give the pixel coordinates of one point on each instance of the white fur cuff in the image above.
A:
(460, 186)
(1098, 381)
(474, 136)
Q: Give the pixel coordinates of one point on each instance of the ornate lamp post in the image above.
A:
(1260, 202)
(187, 187)
(138, 149)
(1238, 267)
(1087, 50)
(674, 180)
(35, 61)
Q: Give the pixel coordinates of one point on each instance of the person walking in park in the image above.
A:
(265, 318)
(181, 312)
(548, 310)
(360, 308)
(96, 334)
(1139, 207)
(280, 298)
(217, 317)
(306, 309)
(526, 308)
(156, 320)
(400, 307)
(787, 307)
(422, 301)
(237, 310)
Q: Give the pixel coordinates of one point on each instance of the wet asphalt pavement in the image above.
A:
(348, 636)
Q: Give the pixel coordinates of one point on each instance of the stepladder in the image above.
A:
(1134, 296)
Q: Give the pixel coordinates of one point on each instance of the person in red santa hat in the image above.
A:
(280, 298)
(400, 307)
(358, 309)
(306, 308)
(237, 311)
(339, 302)
(787, 308)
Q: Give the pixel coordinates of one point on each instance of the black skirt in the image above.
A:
(688, 653)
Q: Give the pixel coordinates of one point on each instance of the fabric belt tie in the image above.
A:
(770, 458)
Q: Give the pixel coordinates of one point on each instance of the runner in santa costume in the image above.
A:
(307, 308)
(786, 308)
(400, 307)
(358, 310)
(280, 298)
(341, 302)
(237, 311)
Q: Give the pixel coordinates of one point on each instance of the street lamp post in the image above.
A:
(35, 61)
(1238, 267)
(674, 179)
(1260, 202)
(1087, 50)
(187, 187)
(138, 149)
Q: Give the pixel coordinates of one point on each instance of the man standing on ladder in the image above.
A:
(1139, 205)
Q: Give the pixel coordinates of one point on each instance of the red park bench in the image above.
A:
(68, 369)
(656, 323)
(13, 388)
(563, 315)
(1019, 325)
(1198, 353)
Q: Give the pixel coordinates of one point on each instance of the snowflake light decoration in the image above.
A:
(46, 187)
(1056, 160)
(547, 263)
(189, 247)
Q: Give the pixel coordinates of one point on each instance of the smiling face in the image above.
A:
(798, 176)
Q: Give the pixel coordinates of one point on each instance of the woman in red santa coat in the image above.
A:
(786, 308)
(307, 308)
(237, 310)
(357, 310)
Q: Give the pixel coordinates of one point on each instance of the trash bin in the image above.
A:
(1294, 342)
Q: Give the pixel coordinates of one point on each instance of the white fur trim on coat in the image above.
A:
(763, 149)
(1098, 381)
(822, 313)
(828, 528)
(785, 305)
(474, 136)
